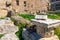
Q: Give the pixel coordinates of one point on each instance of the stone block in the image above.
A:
(42, 17)
(45, 27)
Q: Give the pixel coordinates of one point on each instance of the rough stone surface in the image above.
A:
(8, 29)
(33, 36)
(7, 26)
(9, 37)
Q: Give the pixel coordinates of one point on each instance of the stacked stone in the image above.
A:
(8, 30)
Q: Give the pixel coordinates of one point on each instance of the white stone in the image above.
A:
(41, 17)
(9, 37)
(49, 22)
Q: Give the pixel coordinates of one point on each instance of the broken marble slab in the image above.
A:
(9, 37)
(7, 26)
(8, 29)
(49, 22)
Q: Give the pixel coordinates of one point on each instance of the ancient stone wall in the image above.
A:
(30, 6)
(24, 6)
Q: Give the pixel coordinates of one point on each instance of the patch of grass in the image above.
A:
(27, 16)
(57, 32)
(54, 16)
(1, 35)
(1, 18)
(19, 33)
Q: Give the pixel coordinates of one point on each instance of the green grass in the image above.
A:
(57, 31)
(54, 16)
(1, 18)
(27, 16)
(1, 35)
(19, 33)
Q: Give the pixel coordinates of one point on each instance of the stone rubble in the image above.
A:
(9, 37)
(8, 29)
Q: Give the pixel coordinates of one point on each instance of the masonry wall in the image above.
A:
(25, 6)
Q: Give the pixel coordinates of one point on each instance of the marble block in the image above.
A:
(43, 17)
(49, 22)
(45, 28)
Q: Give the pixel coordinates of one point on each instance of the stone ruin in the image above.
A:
(8, 30)
(43, 29)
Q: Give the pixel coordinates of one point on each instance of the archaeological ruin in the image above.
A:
(43, 28)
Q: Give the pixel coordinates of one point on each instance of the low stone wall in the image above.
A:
(3, 13)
